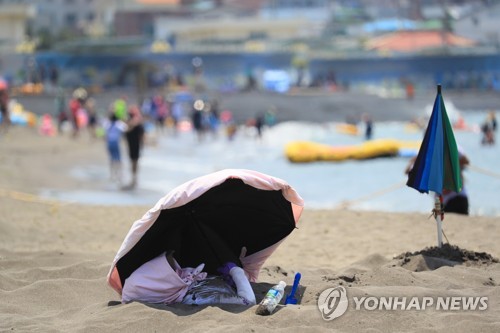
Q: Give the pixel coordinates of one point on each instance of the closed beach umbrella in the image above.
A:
(436, 167)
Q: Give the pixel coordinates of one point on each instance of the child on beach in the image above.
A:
(162, 280)
(114, 130)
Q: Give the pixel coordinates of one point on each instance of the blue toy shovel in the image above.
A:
(290, 299)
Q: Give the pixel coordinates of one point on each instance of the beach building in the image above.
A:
(349, 40)
(13, 19)
(418, 41)
(81, 17)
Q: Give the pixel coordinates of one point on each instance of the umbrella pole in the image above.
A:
(438, 215)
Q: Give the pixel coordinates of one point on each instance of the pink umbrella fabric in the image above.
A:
(164, 279)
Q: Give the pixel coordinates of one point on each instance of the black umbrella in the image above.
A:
(214, 227)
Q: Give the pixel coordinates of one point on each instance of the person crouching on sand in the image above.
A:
(162, 280)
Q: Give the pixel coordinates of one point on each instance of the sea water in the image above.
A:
(376, 184)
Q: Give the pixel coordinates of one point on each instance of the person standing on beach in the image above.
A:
(90, 106)
(53, 76)
(458, 202)
(488, 129)
(4, 106)
(493, 120)
(197, 119)
(60, 105)
(259, 124)
(135, 139)
(120, 107)
(114, 130)
(161, 111)
(76, 108)
(453, 202)
(368, 126)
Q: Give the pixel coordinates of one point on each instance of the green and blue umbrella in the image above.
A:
(437, 167)
(437, 164)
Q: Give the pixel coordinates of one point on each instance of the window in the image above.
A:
(70, 19)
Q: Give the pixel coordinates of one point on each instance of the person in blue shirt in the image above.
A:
(114, 130)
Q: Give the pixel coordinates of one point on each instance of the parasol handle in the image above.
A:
(439, 215)
(439, 88)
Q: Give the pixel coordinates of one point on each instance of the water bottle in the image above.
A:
(271, 300)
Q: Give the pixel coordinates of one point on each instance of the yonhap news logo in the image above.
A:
(333, 303)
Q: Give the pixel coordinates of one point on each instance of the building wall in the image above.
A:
(483, 26)
(55, 15)
(133, 23)
(267, 19)
(78, 15)
(229, 29)
(13, 20)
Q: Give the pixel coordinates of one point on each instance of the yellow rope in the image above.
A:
(484, 171)
(28, 197)
(346, 204)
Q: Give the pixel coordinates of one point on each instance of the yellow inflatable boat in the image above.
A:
(305, 151)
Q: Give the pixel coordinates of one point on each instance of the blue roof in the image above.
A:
(389, 25)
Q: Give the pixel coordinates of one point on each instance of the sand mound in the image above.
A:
(432, 258)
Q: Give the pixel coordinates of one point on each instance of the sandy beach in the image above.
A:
(54, 258)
